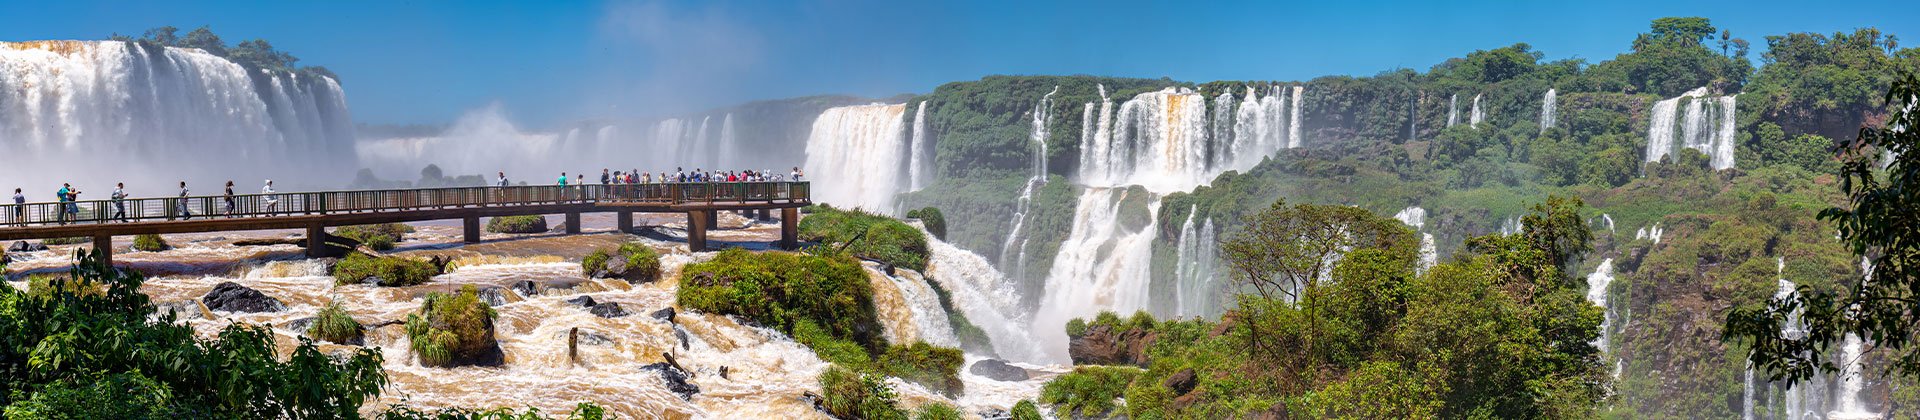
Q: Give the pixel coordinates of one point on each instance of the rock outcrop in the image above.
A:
(1104, 345)
(232, 297)
(999, 370)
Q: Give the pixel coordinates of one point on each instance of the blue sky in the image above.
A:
(549, 63)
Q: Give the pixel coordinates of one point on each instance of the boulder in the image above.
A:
(232, 297)
(299, 326)
(1182, 382)
(607, 310)
(24, 246)
(1102, 345)
(526, 288)
(995, 414)
(998, 370)
(494, 295)
(675, 379)
(583, 301)
(616, 267)
(665, 314)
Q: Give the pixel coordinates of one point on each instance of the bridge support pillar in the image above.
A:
(625, 221)
(766, 214)
(316, 241)
(713, 219)
(573, 222)
(471, 227)
(103, 244)
(697, 223)
(789, 228)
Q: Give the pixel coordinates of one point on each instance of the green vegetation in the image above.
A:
(853, 395)
(385, 271)
(335, 325)
(112, 355)
(65, 241)
(518, 224)
(937, 411)
(778, 290)
(453, 329)
(254, 54)
(380, 237)
(636, 263)
(150, 243)
(934, 221)
(938, 368)
(972, 338)
(1025, 410)
(867, 236)
(1088, 391)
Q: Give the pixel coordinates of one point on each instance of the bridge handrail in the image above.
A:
(351, 201)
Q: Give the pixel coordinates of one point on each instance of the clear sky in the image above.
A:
(552, 62)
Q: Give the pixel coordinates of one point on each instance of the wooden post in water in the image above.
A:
(625, 221)
(471, 226)
(697, 230)
(316, 241)
(103, 245)
(789, 228)
(573, 345)
(573, 222)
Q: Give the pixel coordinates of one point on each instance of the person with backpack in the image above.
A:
(120, 202)
(229, 199)
(19, 207)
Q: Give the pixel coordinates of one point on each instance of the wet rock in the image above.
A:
(299, 326)
(998, 370)
(1102, 345)
(6, 259)
(682, 335)
(232, 297)
(675, 379)
(995, 414)
(590, 338)
(607, 310)
(1182, 382)
(181, 309)
(616, 267)
(494, 295)
(24, 246)
(583, 301)
(665, 314)
(526, 288)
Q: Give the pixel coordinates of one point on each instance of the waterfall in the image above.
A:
(729, 143)
(1651, 233)
(1852, 378)
(1547, 110)
(1416, 217)
(1708, 126)
(180, 112)
(1473, 121)
(1102, 265)
(858, 152)
(988, 299)
(1609, 219)
(1159, 141)
(1258, 128)
(921, 159)
(1597, 293)
(1197, 259)
(1013, 253)
(1453, 110)
(1294, 139)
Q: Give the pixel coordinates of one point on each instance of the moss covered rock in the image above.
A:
(150, 243)
(380, 237)
(384, 271)
(454, 330)
(867, 236)
(779, 290)
(518, 224)
(633, 262)
(335, 325)
(937, 368)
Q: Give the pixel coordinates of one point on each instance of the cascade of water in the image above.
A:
(729, 142)
(1609, 219)
(178, 111)
(1085, 280)
(1708, 126)
(1197, 256)
(702, 149)
(1417, 218)
(1453, 110)
(1474, 119)
(1852, 379)
(1547, 109)
(1222, 123)
(989, 299)
(921, 158)
(911, 311)
(864, 143)
(1294, 140)
(1013, 252)
(1597, 293)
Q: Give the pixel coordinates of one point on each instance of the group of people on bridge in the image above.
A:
(69, 207)
(610, 177)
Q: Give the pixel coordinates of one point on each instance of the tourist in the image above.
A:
(229, 198)
(796, 174)
(605, 178)
(502, 182)
(563, 179)
(19, 207)
(182, 204)
(273, 203)
(679, 175)
(120, 202)
(63, 197)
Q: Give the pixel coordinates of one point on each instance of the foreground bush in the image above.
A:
(937, 368)
(518, 224)
(852, 395)
(380, 237)
(385, 271)
(454, 330)
(112, 355)
(867, 236)
(1025, 410)
(150, 243)
(1087, 391)
(65, 241)
(930, 217)
(335, 325)
(779, 289)
(634, 262)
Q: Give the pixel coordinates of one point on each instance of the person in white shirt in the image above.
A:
(273, 202)
(120, 202)
(503, 180)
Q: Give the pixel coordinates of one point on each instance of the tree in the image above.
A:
(1282, 254)
(204, 39)
(1877, 222)
(165, 36)
(1682, 30)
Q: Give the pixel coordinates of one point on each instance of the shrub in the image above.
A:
(778, 290)
(380, 237)
(453, 329)
(335, 325)
(834, 350)
(937, 411)
(1076, 327)
(642, 263)
(518, 224)
(390, 271)
(65, 241)
(972, 337)
(1026, 410)
(932, 219)
(47, 286)
(867, 236)
(852, 395)
(937, 368)
(1087, 391)
(150, 243)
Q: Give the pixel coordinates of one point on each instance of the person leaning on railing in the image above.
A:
(19, 207)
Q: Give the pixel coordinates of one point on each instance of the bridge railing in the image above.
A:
(336, 202)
